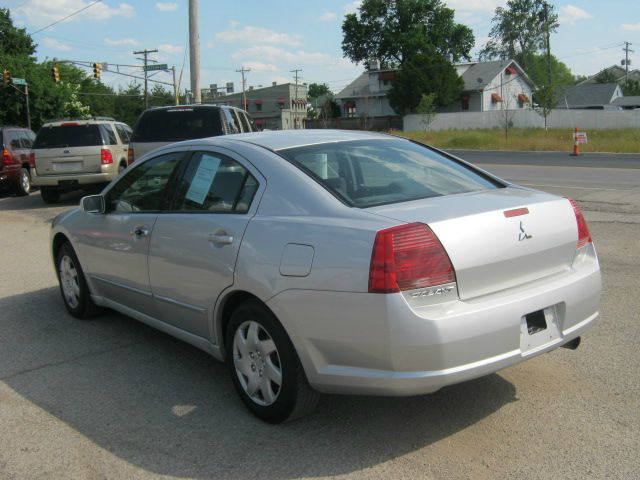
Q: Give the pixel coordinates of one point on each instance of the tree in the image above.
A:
(547, 93)
(316, 90)
(14, 41)
(424, 74)
(395, 31)
(605, 76)
(427, 108)
(631, 88)
(519, 30)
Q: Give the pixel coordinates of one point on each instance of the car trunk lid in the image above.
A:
(497, 239)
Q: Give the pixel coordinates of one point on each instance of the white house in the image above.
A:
(488, 86)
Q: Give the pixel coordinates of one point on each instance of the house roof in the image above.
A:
(632, 101)
(358, 88)
(618, 72)
(587, 95)
(480, 74)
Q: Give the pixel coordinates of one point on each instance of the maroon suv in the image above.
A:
(17, 160)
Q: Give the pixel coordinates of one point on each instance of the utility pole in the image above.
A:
(295, 114)
(145, 53)
(626, 51)
(295, 72)
(175, 87)
(242, 71)
(194, 50)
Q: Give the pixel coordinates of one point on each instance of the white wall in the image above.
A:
(584, 119)
(512, 86)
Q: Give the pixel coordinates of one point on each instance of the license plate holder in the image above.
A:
(538, 329)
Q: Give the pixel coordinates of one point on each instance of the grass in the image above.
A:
(534, 139)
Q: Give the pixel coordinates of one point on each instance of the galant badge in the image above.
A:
(522, 236)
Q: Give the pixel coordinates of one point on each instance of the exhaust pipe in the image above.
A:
(573, 344)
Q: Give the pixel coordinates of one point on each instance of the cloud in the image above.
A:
(328, 16)
(352, 7)
(54, 44)
(42, 12)
(209, 45)
(275, 54)
(256, 66)
(257, 36)
(170, 49)
(631, 27)
(570, 14)
(132, 42)
(167, 6)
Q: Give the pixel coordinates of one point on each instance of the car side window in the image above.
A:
(14, 139)
(123, 134)
(215, 183)
(146, 187)
(109, 134)
(246, 127)
(230, 121)
(27, 139)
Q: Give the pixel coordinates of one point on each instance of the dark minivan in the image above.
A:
(162, 125)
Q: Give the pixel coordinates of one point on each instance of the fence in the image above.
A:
(359, 123)
(585, 119)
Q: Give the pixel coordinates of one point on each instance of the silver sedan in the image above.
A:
(329, 261)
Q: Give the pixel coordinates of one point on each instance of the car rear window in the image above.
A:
(68, 136)
(175, 124)
(378, 172)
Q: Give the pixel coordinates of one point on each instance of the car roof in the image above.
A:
(283, 139)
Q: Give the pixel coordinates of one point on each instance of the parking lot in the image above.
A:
(113, 398)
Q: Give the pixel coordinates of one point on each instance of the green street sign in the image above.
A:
(18, 81)
(158, 66)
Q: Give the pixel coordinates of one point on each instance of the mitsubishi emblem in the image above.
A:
(522, 236)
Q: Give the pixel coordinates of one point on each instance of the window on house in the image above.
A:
(464, 102)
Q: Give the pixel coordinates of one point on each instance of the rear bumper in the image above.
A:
(373, 344)
(70, 179)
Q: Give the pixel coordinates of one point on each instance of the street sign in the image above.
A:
(18, 81)
(581, 137)
(157, 66)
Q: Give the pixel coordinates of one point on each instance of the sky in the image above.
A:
(274, 37)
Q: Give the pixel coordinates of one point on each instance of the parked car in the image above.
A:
(338, 262)
(160, 126)
(75, 154)
(17, 161)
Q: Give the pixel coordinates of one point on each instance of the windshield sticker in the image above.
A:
(203, 179)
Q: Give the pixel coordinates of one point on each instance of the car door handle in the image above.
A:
(220, 238)
(140, 231)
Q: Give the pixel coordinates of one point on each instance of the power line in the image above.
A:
(64, 18)
(145, 53)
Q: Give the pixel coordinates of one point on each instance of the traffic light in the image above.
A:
(6, 77)
(96, 71)
(55, 74)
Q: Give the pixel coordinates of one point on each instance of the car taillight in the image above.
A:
(407, 257)
(130, 156)
(106, 157)
(32, 158)
(584, 236)
(7, 159)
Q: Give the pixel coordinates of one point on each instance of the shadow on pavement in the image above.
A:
(34, 201)
(168, 408)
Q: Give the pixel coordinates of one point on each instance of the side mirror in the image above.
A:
(92, 204)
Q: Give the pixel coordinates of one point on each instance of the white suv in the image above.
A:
(78, 154)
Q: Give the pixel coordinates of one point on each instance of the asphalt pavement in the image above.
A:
(113, 398)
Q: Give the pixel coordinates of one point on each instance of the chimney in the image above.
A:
(273, 84)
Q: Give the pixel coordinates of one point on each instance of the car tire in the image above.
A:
(24, 185)
(73, 285)
(50, 195)
(264, 366)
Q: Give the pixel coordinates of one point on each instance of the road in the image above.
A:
(112, 398)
